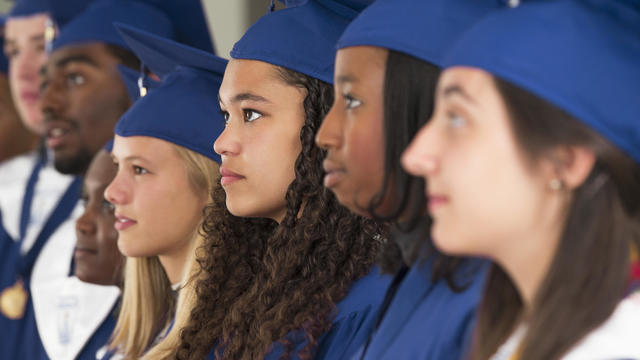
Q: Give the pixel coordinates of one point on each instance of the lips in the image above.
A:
(123, 223)
(57, 133)
(30, 97)
(436, 201)
(80, 252)
(229, 176)
(334, 173)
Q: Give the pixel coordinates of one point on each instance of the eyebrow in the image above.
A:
(457, 89)
(245, 96)
(342, 79)
(76, 58)
(34, 38)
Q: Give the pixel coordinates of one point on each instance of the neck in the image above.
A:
(528, 257)
(174, 264)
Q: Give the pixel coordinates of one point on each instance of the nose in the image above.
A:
(227, 144)
(420, 158)
(52, 99)
(116, 193)
(330, 134)
(85, 224)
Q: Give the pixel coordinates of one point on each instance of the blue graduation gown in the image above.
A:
(356, 317)
(427, 320)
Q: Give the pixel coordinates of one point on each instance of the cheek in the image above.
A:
(365, 158)
(490, 204)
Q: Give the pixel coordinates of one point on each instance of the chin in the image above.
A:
(447, 242)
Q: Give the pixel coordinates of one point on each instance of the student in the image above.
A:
(387, 66)
(15, 138)
(292, 275)
(82, 98)
(71, 333)
(538, 108)
(37, 202)
(166, 173)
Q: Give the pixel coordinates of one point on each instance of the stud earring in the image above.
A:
(556, 184)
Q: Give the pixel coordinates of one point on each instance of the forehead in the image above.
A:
(250, 76)
(25, 27)
(143, 146)
(101, 171)
(361, 59)
(94, 53)
(472, 80)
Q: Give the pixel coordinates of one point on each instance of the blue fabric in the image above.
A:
(580, 55)
(427, 320)
(300, 38)
(189, 22)
(420, 28)
(95, 24)
(4, 62)
(356, 317)
(183, 109)
(61, 11)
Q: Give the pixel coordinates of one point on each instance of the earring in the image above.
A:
(556, 184)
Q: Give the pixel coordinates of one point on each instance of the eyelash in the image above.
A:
(246, 112)
(138, 170)
(351, 102)
(452, 116)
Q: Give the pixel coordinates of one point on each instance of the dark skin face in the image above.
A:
(82, 98)
(15, 139)
(97, 257)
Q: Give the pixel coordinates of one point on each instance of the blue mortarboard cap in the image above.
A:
(4, 63)
(301, 38)
(108, 147)
(420, 28)
(95, 24)
(184, 108)
(580, 55)
(61, 11)
(189, 22)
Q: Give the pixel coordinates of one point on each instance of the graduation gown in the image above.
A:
(357, 314)
(427, 320)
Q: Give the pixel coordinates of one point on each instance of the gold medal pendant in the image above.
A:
(13, 301)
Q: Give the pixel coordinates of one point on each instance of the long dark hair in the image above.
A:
(589, 272)
(261, 281)
(409, 91)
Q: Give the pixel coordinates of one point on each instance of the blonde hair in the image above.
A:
(147, 299)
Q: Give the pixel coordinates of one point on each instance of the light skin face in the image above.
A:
(261, 141)
(352, 131)
(15, 138)
(487, 198)
(97, 258)
(83, 97)
(24, 47)
(156, 207)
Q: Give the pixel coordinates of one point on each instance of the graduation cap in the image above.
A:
(62, 11)
(183, 109)
(420, 28)
(580, 55)
(189, 22)
(300, 38)
(4, 62)
(95, 24)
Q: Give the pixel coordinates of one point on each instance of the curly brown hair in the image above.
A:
(261, 280)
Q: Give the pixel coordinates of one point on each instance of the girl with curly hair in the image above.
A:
(544, 120)
(385, 79)
(291, 274)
